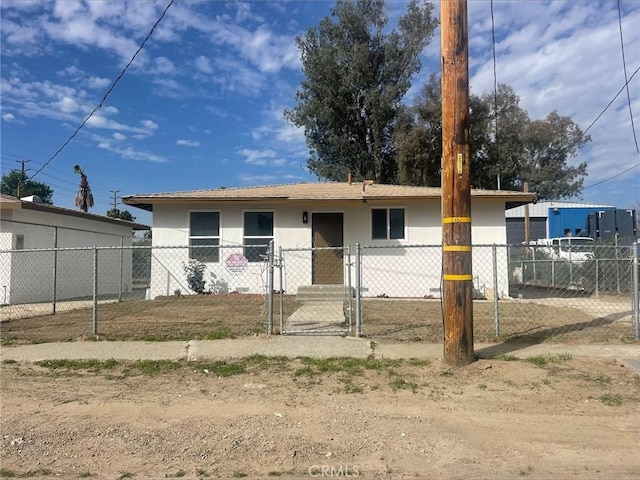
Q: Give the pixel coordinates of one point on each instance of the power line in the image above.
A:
(624, 66)
(495, 91)
(614, 176)
(104, 98)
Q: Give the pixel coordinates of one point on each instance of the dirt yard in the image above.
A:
(568, 320)
(558, 418)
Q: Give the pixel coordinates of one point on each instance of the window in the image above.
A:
(387, 223)
(258, 232)
(204, 236)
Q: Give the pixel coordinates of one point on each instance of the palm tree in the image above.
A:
(84, 197)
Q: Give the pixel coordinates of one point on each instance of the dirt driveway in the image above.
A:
(554, 417)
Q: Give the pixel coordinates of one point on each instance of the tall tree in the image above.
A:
(17, 184)
(84, 197)
(356, 74)
(121, 214)
(519, 150)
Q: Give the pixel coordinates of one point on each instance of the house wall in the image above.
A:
(28, 276)
(392, 267)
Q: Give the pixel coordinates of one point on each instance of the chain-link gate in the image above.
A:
(316, 294)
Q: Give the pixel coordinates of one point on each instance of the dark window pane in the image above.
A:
(256, 249)
(396, 223)
(204, 249)
(379, 223)
(258, 224)
(204, 224)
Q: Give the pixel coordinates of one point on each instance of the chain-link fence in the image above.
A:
(380, 292)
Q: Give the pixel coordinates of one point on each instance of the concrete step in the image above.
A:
(327, 293)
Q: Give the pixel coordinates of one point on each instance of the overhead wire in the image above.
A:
(495, 92)
(106, 95)
(612, 177)
(624, 67)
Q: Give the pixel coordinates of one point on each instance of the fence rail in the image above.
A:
(386, 292)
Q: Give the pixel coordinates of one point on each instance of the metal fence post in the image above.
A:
(55, 270)
(121, 268)
(597, 278)
(636, 293)
(95, 290)
(350, 297)
(496, 312)
(281, 274)
(270, 289)
(358, 292)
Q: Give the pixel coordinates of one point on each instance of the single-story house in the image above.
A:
(30, 267)
(227, 228)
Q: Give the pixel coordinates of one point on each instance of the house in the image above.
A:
(59, 269)
(555, 219)
(227, 229)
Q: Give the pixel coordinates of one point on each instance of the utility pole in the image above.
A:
(115, 198)
(456, 187)
(24, 174)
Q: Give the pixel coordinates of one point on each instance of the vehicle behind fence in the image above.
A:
(379, 292)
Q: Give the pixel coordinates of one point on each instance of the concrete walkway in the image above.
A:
(292, 346)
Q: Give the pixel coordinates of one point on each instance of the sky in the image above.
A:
(201, 105)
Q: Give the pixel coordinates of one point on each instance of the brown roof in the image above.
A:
(14, 203)
(317, 191)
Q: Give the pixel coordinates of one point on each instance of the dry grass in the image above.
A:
(238, 315)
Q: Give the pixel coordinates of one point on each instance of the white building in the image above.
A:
(214, 225)
(30, 266)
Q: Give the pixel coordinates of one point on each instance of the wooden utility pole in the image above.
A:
(456, 187)
(23, 171)
(115, 198)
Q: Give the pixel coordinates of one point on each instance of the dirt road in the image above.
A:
(275, 418)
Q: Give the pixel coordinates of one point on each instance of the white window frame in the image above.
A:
(267, 239)
(388, 223)
(206, 237)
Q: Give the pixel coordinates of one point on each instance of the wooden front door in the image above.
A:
(328, 265)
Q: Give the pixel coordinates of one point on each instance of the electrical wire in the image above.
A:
(495, 91)
(614, 176)
(624, 67)
(104, 98)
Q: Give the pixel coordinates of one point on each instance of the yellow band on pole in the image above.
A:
(456, 220)
(458, 278)
(457, 248)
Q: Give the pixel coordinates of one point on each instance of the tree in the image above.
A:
(84, 197)
(121, 214)
(519, 150)
(356, 74)
(17, 184)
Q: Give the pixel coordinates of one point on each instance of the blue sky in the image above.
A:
(201, 106)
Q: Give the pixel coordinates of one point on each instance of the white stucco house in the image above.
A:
(226, 229)
(30, 266)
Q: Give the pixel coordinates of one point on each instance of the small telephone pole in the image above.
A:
(23, 176)
(456, 187)
(115, 198)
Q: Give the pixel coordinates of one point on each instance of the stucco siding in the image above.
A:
(391, 267)
(28, 275)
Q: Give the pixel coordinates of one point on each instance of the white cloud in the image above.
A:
(149, 124)
(8, 117)
(257, 157)
(132, 153)
(188, 143)
(98, 82)
(119, 136)
(67, 105)
(164, 65)
(203, 64)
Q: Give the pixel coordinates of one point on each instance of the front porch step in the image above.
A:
(323, 293)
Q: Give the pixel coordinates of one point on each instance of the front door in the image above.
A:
(328, 265)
